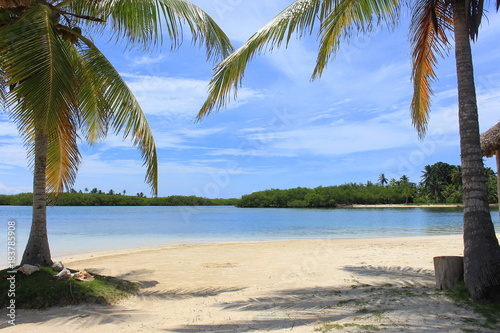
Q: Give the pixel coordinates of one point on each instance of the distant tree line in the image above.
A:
(441, 183)
(100, 198)
(332, 196)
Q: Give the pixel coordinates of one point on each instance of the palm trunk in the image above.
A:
(481, 248)
(497, 157)
(37, 250)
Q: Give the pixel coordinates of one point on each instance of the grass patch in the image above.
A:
(327, 327)
(364, 310)
(360, 303)
(344, 302)
(335, 292)
(404, 292)
(40, 290)
(489, 311)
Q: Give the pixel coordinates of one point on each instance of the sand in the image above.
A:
(278, 286)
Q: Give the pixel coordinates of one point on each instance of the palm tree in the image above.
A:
(56, 84)
(432, 21)
(382, 179)
(456, 177)
(435, 179)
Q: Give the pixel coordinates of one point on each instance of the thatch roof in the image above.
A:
(490, 141)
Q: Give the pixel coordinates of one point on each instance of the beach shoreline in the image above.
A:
(406, 206)
(276, 286)
(72, 257)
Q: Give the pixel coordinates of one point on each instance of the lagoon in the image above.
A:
(85, 229)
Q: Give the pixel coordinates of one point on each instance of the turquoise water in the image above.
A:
(82, 229)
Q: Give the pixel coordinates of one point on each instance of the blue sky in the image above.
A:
(283, 131)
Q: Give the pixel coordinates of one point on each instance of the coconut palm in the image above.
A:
(435, 179)
(432, 23)
(382, 179)
(57, 86)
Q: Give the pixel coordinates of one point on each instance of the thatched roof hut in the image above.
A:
(490, 145)
(490, 141)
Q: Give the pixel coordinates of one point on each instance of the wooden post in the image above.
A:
(449, 270)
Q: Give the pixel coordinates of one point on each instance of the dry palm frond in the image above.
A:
(431, 20)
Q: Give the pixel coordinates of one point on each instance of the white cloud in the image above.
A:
(346, 139)
(168, 96)
(14, 189)
(166, 136)
(252, 152)
(146, 60)
(7, 128)
(13, 155)
(178, 97)
(239, 18)
(98, 164)
(296, 62)
(198, 133)
(206, 169)
(252, 129)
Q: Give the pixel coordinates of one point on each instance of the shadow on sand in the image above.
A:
(398, 304)
(89, 315)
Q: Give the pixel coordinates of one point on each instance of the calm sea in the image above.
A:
(82, 229)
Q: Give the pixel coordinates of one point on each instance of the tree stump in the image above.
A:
(449, 270)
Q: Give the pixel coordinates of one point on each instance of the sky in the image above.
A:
(283, 131)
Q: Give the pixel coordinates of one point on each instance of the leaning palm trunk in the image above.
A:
(481, 248)
(37, 250)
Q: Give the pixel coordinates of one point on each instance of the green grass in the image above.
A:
(489, 311)
(40, 290)
(327, 327)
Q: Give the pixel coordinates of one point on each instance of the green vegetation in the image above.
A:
(489, 312)
(40, 290)
(378, 308)
(325, 197)
(99, 198)
(327, 327)
(441, 183)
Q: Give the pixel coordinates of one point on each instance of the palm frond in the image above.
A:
(203, 28)
(142, 22)
(94, 111)
(431, 20)
(35, 61)
(474, 15)
(106, 99)
(3, 90)
(16, 3)
(348, 15)
(37, 64)
(138, 21)
(63, 156)
(299, 17)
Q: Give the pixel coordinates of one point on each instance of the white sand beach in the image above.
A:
(346, 285)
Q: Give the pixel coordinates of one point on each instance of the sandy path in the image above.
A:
(279, 286)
